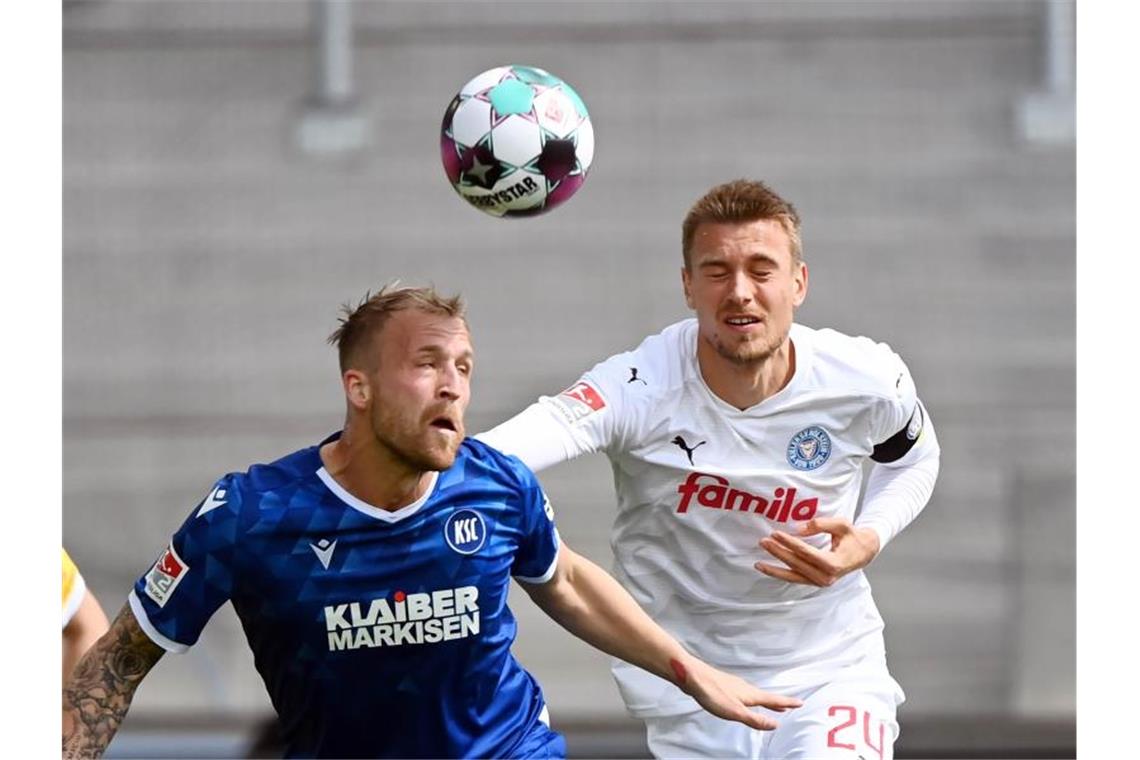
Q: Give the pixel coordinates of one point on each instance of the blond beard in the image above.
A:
(749, 353)
(387, 431)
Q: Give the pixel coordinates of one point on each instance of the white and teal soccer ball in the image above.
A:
(516, 141)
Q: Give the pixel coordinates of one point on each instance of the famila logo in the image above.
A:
(716, 493)
(421, 618)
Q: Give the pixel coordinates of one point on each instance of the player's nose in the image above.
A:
(451, 384)
(740, 288)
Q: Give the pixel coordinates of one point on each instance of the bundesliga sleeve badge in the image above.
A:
(165, 576)
(577, 402)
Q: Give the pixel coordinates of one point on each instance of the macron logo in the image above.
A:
(324, 550)
(216, 499)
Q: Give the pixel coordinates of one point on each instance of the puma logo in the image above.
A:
(679, 441)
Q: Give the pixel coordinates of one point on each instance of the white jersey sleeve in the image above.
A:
(898, 398)
(536, 436)
(898, 491)
(591, 415)
(905, 455)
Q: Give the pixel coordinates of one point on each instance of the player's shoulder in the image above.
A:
(658, 363)
(504, 477)
(260, 483)
(854, 361)
(284, 471)
(668, 348)
(669, 342)
(477, 459)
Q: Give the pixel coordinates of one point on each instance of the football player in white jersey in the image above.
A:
(739, 441)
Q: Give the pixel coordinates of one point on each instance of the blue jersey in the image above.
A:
(378, 634)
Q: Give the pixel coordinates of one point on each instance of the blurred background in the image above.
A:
(233, 171)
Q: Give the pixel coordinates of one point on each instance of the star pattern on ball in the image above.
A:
(557, 159)
(478, 170)
(479, 166)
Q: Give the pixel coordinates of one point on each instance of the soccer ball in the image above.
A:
(516, 141)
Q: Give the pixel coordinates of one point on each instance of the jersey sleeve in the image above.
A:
(897, 492)
(74, 588)
(899, 418)
(537, 436)
(905, 455)
(582, 419)
(194, 574)
(537, 555)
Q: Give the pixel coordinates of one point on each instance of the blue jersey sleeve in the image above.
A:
(538, 545)
(194, 574)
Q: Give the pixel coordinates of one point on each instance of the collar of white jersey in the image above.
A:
(380, 514)
(805, 353)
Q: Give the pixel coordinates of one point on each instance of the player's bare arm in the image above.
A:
(99, 692)
(588, 602)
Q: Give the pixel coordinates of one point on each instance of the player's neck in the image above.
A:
(746, 385)
(372, 473)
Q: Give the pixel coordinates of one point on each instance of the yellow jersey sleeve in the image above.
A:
(74, 588)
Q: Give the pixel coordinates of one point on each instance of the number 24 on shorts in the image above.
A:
(833, 738)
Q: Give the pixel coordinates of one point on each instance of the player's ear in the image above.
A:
(800, 283)
(357, 389)
(687, 284)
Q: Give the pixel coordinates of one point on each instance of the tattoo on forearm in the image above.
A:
(100, 690)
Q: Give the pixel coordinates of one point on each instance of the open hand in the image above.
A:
(851, 549)
(728, 696)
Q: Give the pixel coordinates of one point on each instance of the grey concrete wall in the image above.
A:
(204, 261)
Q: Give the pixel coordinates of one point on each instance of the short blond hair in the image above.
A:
(738, 202)
(360, 324)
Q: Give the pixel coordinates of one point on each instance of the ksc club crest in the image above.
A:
(465, 531)
(809, 448)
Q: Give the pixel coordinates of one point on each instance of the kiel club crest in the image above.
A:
(809, 448)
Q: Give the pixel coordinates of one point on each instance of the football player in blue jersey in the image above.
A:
(370, 574)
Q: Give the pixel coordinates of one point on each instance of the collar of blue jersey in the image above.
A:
(388, 516)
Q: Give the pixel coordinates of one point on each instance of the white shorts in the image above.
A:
(844, 719)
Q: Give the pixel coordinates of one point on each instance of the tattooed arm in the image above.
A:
(96, 697)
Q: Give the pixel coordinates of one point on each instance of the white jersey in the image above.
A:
(700, 482)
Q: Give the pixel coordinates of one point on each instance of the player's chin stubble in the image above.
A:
(421, 453)
(745, 353)
(413, 444)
